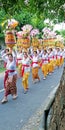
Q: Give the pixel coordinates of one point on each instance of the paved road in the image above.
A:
(15, 114)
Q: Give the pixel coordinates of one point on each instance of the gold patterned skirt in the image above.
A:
(35, 73)
(10, 87)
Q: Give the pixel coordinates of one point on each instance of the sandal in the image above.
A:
(4, 100)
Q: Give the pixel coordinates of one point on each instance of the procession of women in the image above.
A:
(26, 54)
(21, 63)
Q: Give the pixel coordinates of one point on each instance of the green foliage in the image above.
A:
(62, 32)
(2, 69)
(32, 12)
(57, 32)
(11, 6)
(49, 8)
(2, 15)
(23, 17)
(34, 20)
(40, 24)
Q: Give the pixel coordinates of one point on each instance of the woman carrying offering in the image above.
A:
(25, 71)
(10, 77)
(19, 58)
(35, 67)
(45, 64)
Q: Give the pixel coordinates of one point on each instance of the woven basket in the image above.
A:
(10, 39)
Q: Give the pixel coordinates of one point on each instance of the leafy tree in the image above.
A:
(32, 12)
(49, 8)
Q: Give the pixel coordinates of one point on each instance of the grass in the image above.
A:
(2, 69)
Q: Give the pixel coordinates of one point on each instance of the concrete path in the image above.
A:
(15, 114)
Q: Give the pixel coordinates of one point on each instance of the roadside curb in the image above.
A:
(35, 122)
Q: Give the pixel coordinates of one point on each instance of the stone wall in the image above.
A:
(58, 116)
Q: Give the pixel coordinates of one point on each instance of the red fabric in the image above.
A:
(53, 57)
(6, 75)
(56, 56)
(34, 63)
(60, 58)
(40, 64)
(17, 61)
(23, 67)
(44, 60)
(48, 59)
(5, 63)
